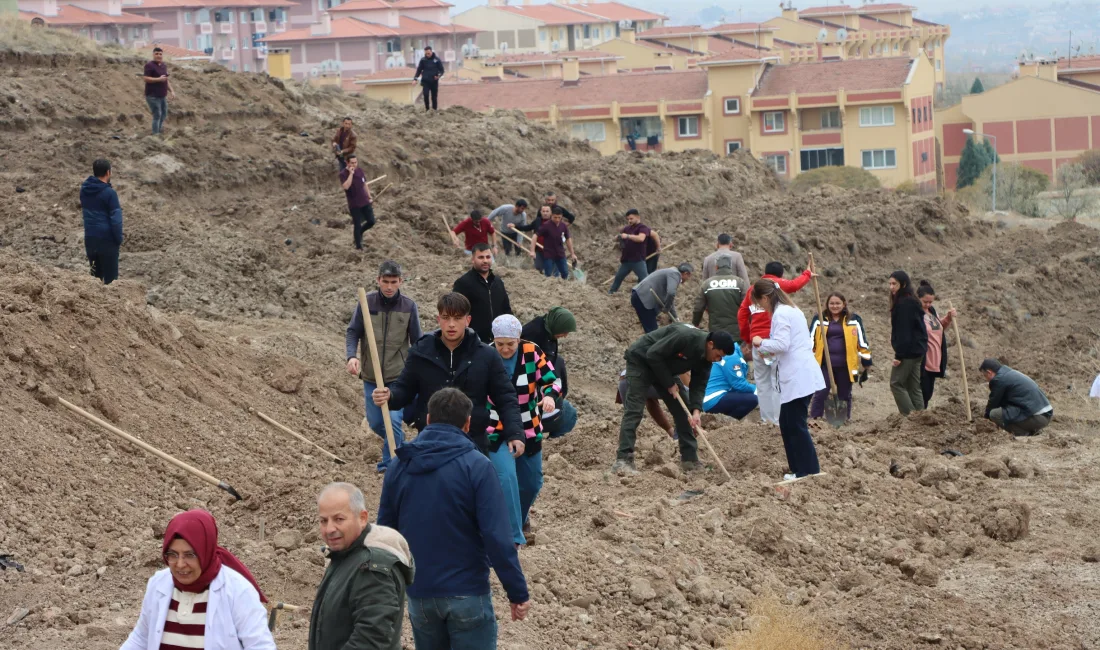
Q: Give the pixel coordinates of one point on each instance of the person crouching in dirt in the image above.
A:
(538, 390)
(1016, 403)
(545, 332)
(796, 372)
(729, 391)
(396, 322)
(200, 577)
(848, 350)
(657, 293)
(429, 71)
(655, 360)
(653, 403)
(102, 222)
(360, 201)
(343, 143)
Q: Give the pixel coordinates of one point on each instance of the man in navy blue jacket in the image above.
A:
(444, 497)
(102, 222)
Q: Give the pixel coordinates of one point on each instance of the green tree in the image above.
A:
(975, 158)
(977, 87)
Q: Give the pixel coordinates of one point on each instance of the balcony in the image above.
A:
(225, 28)
(261, 53)
(206, 28)
(225, 54)
(259, 28)
(280, 26)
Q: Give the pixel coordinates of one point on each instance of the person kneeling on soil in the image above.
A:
(201, 577)
(1016, 403)
(654, 360)
(729, 392)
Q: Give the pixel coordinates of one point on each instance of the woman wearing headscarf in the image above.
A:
(545, 332)
(797, 375)
(910, 342)
(205, 598)
(935, 358)
(848, 350)
(538, 390)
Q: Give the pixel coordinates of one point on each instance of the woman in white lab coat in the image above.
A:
(797, 374)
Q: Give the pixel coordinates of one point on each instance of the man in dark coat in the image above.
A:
(1016, 403)
(485, 291)
(453, 357)
(429, 71)
(720, 297)
(102, 222)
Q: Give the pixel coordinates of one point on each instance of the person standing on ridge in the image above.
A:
(429, 71)
(754, 321)
(542, 218)
(632, 241)
(843, 333)
(935, 358)
(360, 201)
(343, 143)
(724, 249)
(485, 291)
(157, 89)
(102, 222)
(396, 323)
(556, 239)
(657, 293)
(477, 230)
(510, 214)
(721, 297)
(909, 338)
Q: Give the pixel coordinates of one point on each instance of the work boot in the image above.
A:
(624, 467)
(691, 466)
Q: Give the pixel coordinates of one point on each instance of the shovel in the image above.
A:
(578, 274)
(836, 409)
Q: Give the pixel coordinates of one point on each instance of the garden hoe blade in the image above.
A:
(836, 410)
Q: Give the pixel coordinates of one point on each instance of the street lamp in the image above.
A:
(994, 138)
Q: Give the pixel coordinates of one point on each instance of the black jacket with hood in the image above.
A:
(102, 211)
(907, 334)
(537, 333)
(488, 299)
(428, 69)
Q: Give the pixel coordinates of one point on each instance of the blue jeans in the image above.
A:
(562, 423)
(646, 316)
(625, 268)
(555, 266)
(735, 405)
(538, 259)
(158, 106)
(374, 419)
(529, 476)
(457, 623)
(505, 466)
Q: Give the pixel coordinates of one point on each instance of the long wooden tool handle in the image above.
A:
(662, 249)
(703, 436)
(663, 308)
(149, 448)
(299, 436)
(529, 238)
(518, 245)
(376, 179)
(383, 191)
(376, 363)
(821, 322)
(962, 363)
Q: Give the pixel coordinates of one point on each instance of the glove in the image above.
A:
(862, 378)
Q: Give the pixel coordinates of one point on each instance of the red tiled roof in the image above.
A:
(188, 4)
(737, 53)
(341, 28)
(918, 21)
(552, 14)
(415, 27)
(174, 52)
(737, 28)
(828, 76)
(594, 90)
(420, 4)
(387, 76)
(361, 5)
(615, 11)
(556, 57)
(69, 15)
(874, 25)
(821, 21)
(836, 10)
(677, 30)
(1079, 64)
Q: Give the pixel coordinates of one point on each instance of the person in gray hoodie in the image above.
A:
(657, 293)
(510, 214)
(102, 222)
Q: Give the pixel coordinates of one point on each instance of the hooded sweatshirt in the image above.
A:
(444, 497)
(102, 211)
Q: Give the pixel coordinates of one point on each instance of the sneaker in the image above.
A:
(789, 477)
(624, 467)
(691, 466)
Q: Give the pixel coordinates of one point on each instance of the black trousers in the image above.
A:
(651, 264)
(431, 88)
(927, 385)
(801, 453)
(103, 257)
(362, 220)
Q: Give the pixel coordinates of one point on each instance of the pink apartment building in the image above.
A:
(100, 20)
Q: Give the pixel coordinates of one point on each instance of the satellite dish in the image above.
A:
(841, 34)
(391, 63)
(401, 61)
(466, 50)
(822, 35)
(504, 47)
(476, 51)
(625, 24)
(313, 72)
(555, 46)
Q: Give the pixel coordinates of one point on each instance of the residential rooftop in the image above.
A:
(829, 76)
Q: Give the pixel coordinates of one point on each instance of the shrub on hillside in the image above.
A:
(908, 188)
(774, 626)
(1090, 166)
(1017, 190)
(852, 178)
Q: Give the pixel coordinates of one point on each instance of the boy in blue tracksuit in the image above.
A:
(102, 222)
(728, 390)
(444, 497)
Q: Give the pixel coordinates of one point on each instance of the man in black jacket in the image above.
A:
(1016, 403)
(429, 71)
(485, 291)
(545, 332)
(552, 201)
(452, 356)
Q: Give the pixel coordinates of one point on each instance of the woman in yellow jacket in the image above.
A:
(848, 349)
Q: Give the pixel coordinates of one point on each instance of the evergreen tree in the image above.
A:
(975, 158)
(989, 153)
(977, 87)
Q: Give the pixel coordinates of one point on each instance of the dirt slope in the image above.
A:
(216, 313)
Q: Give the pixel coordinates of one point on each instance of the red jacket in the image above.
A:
(753, 322)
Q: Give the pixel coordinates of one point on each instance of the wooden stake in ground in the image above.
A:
(703, 436)
(299, 436)
(222, 485)
(962, 363)
(376, 363)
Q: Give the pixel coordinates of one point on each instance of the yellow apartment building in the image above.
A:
(1082, 71)
(1043, 119)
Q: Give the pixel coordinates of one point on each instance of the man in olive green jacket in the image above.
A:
(360, 603)
(655, 360)
(720, 297)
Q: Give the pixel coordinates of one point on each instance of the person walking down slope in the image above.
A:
(396, 322)
(429, 71)
(721, 297)
(935, 357)
(729, 391)
(657, 293)
(848, 350)
(510, 214)
(632, 241)
(909, 338)
(343, 143)
(1016, 403)
(475, 229)
(542, 218)
(545, 332)
(797, 375)
(157, 89)
(485, 291)
(445, 498)
(556, 240)
(360, 201)
(754, 321)
(102, 222)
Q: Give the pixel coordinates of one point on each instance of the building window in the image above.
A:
(732, 106)
(607, 33)
(587, 31)
(204, 16)
(814, 158)
(561, 33)
(145, 33)
(191, 44)
(777, 163)
(233, 67)
(927, 113)
(577, 32)
(876, 116)
(830, 118)
(542, 35)
(591, 131)
(733, 145)
(187, 18)
(246, 68)
(939, 65)
(774, 122)
(879, 159)
(687, 126)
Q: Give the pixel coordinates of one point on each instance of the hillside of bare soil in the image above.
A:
(238, 276)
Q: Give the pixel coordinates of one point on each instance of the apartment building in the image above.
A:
(1043, 119)
(1081, 71)
(554, 27)
(103, 21)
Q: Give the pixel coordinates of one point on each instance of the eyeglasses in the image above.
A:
(172, 556)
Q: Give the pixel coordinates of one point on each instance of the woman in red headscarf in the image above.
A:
(205, 598)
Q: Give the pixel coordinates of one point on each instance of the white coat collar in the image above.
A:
(164, 583)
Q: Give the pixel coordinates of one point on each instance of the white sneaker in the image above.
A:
(789, 477)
